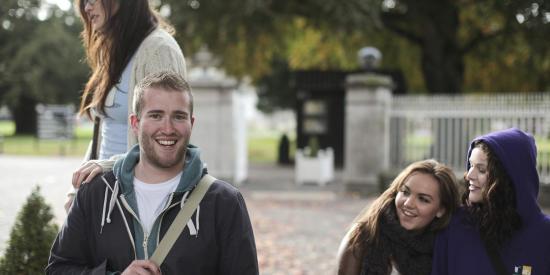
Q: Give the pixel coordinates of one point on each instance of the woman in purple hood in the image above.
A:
(500, 229)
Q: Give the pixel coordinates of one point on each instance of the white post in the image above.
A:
(220, 124)
(368, 103)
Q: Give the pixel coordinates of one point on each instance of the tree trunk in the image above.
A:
(442, 60)
(442, 67)
(433, 26)
(24, 115)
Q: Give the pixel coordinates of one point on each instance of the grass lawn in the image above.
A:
(30, 145)
(7, 128)
(262, 147)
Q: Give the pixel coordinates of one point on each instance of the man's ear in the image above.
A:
(134, 122)
(192, 121)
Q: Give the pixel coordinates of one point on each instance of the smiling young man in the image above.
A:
(119, 218)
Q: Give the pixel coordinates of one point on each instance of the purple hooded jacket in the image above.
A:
(459, 249)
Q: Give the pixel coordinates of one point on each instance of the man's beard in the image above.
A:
(155, 159)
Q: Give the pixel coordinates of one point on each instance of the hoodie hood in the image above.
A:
(192, 172)
(459, 248)
(517, 152)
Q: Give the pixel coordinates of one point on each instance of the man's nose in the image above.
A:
(167, 125)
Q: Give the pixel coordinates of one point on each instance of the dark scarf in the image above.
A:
(411, 251)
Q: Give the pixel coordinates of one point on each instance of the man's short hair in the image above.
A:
(166, 80)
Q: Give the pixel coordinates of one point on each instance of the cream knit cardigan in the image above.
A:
(159, 51)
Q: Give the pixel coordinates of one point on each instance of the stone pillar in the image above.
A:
(368, 103)
(220, 126)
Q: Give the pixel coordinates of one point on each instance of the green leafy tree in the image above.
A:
(267, 43)
(514, 62)
(41, 60)
(442, 46)
(30, 239)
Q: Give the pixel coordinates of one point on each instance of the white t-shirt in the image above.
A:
(152, 198)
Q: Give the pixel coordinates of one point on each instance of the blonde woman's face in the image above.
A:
(417, 203)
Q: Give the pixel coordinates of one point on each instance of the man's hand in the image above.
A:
(142, 267)
(86, 173)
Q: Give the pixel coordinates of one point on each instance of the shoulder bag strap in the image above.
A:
(181, 220)
(496, 260)
(95, 139)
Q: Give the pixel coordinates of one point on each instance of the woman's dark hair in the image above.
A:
(496, 216)
(109, 51)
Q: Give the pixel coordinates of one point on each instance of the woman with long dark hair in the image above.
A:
(500, 228)
(124, 42)
(395, 234)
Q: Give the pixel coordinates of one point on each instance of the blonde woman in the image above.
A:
(395, 234)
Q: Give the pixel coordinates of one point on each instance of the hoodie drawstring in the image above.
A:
(103, 211)
(197, 219)
(182, 203)
(112, 203)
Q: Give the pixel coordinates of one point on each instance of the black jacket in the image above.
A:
(224, 245)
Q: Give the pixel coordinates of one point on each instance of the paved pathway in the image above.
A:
(299, 236)
(19, 175)
(297, 228)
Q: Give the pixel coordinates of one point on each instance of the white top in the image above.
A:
(152, 199)
(115, 121)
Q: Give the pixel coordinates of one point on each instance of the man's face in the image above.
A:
(164, 128)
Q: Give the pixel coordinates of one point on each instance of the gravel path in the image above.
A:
(302, 235)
